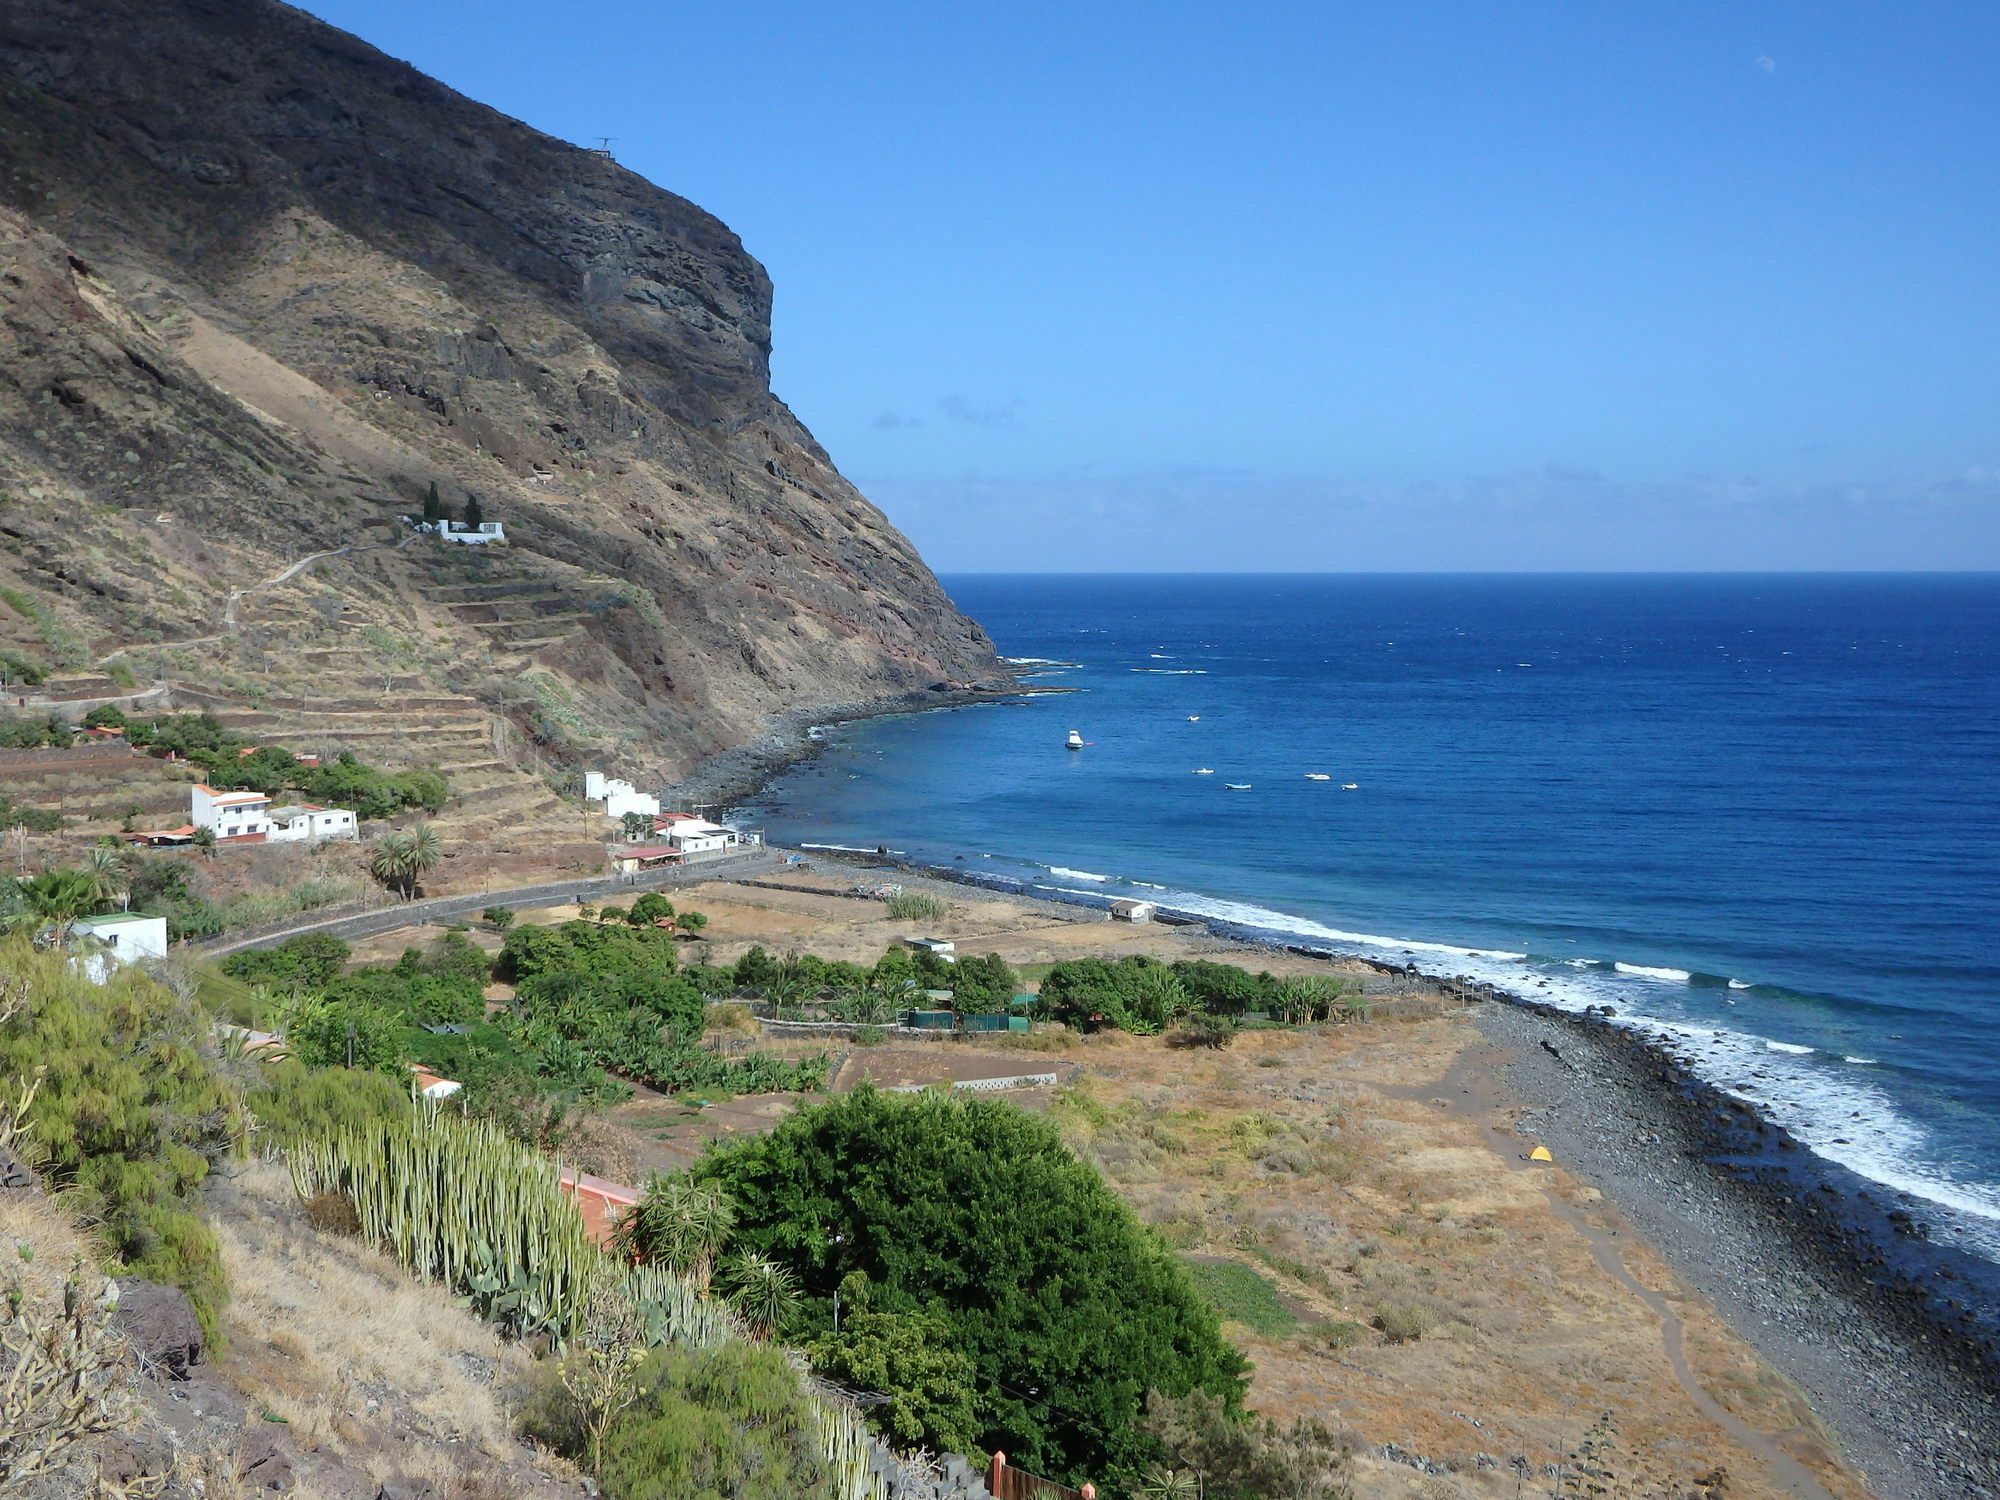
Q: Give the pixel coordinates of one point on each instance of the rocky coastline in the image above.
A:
(1893, 1336)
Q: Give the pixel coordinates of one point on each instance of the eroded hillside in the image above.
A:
(261, 287)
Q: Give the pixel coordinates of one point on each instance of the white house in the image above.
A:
(1133, 911)
(692, 835)
(248, 817)
(230, 815)
(618, 797)
(125, 935)
(309, 823)
(484, 534)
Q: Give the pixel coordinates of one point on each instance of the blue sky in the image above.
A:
(1343, 286)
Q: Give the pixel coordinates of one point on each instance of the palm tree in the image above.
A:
(762, 1290)
(55, 899)
(678, 1224)
(400, 857)
(108, 870)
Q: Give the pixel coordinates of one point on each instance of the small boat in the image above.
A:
(1194, 718)
(1350, 786)
(1203, 771)
(1074, 742)
(1237, 786)
(1317, 776)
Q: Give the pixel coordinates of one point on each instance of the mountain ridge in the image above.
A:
(265, 286)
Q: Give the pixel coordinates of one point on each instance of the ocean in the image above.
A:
(1759, 812)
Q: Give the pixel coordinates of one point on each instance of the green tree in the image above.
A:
(691, 922)
(975, 1211)
(908, 1357)
(755, 969)
(499, 918)
(109, 870)
(55, 899)
(636, 826)
(106, 716)
(984, 981)
(400, 858)
(475, 513)
(306, 962)
(433, 503)
(649, 909)
(324, 1033)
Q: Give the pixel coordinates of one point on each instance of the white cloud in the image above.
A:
(1767, 64)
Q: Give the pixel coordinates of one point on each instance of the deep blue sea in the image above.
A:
(1762, 811)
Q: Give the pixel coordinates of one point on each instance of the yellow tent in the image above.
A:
(1540, 1153)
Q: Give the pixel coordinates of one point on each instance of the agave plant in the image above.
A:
(678, 1224)
(761, 1290)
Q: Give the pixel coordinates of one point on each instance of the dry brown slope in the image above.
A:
(260, 278)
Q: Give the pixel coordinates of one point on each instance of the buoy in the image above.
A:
(1540, 1153)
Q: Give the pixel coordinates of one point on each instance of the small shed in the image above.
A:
(1133, 911)
(652, 857)
(942, 947)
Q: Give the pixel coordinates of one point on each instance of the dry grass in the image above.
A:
(1431, 1280)
(326, 1332)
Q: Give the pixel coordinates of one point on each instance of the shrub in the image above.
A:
(499, 918)
(1251, 1458)
(1224, 989)
(869, 1036)
(1202, 1029)
(918, 906)
(323, 1033)
(1407, 1321)
(130, 1113)
(974, 1210)
(728, 1421)
(305, 962)
(293, 1103)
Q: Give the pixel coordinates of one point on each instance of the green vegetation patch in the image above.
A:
(974, 1212)
(1241, 1295)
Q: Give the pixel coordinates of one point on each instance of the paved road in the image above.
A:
(443, 908)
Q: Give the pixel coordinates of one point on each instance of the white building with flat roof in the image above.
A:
(118, 937)
(308, 823)
(230, 815)
(619, 797)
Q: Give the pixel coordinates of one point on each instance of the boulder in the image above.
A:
(161, 1327)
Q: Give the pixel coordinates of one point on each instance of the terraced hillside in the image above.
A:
(265, 288)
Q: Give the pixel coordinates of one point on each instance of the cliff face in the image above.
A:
(262, 286)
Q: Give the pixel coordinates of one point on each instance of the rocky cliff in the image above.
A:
(262, 286)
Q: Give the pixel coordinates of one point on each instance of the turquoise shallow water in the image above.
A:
(1763, 812)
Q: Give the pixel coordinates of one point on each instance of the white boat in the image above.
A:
(1237, 786)
(1350, 786)
(1203, 771)
(1194, 718)
(1317, 776)
(1075, 740)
